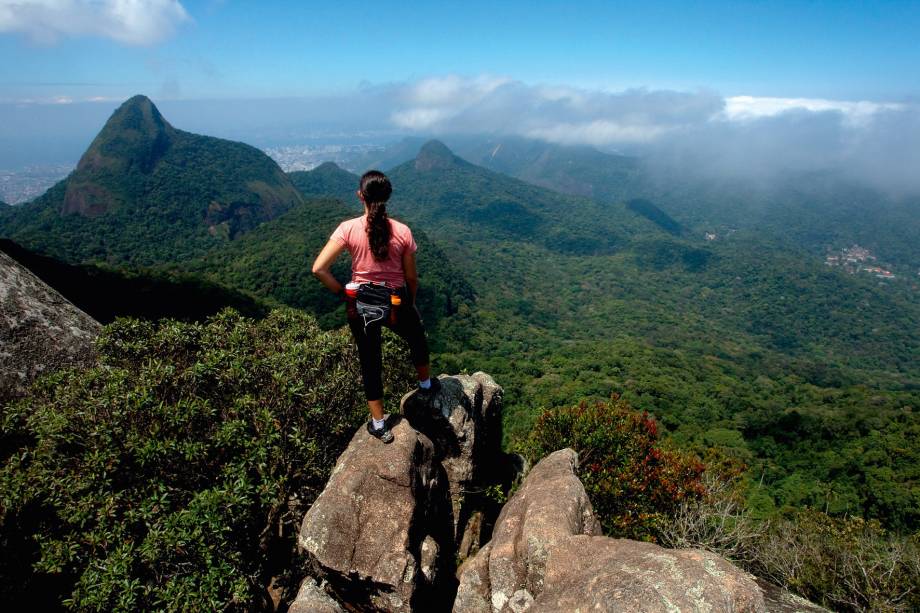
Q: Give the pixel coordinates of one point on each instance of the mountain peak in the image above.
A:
(435, 154)
(137, 114)
(130, 143)
(328, 167)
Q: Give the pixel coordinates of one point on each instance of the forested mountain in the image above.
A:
(327, 179)
(578, 170)
(817, 212)
(145, 192)
(461, 200)
(813, 211)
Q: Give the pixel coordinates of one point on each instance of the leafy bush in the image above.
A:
(174, 474)
(633, 481)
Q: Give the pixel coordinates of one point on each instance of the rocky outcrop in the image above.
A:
(40, 331)
(546, 554)
(550, 506)
(464, 422)
(385, 533)
(382, 512)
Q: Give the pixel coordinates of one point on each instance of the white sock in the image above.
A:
(426, 384)
(378, 423)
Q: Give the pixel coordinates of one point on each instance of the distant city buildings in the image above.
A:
(308, 157)
(856, 259)
(25, 184)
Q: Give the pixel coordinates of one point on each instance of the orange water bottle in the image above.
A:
(395, 301)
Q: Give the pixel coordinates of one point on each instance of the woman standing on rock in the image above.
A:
(384, 283)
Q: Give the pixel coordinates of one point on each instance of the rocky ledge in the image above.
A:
(394, 520)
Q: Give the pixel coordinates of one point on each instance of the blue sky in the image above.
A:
(729, 88)
(837, 50)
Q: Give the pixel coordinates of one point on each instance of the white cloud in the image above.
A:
(737, 136)
(600, 132)
(743, 108)
(133, 22)
(569, 115)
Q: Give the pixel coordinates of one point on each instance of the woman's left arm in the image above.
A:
(322, 267)
(410, 272)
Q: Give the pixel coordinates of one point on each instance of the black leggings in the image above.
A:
(408, 325)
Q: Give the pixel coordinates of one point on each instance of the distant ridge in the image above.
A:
(452, 198)
(434, 155)
(145, 192)
(327, 179)
(579, 170)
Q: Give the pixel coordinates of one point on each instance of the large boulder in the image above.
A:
(596, 573)
(40, 331)
(464, 422)
(550, 506)
(364, 534)
(546, 554)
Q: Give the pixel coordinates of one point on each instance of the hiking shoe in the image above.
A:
(383, 433)
(432, 391)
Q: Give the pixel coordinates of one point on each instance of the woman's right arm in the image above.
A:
(322, 267)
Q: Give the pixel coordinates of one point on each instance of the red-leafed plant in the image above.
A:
(633, 480)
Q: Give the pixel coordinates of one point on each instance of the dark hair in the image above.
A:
(376, 189)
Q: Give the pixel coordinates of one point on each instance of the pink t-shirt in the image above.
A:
(364, 268)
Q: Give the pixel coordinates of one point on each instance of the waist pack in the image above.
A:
(373, 303)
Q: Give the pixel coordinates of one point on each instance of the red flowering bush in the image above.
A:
(633, 481)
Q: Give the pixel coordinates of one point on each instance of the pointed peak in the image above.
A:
(435, 154)
(328, 167)
(137, 99)
(133, 140)
(138, 106)
(138, 116)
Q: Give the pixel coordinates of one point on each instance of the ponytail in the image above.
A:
(376, 190)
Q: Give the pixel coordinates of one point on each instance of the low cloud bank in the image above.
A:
(695, 132)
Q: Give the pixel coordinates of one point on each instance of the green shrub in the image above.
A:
(174, 474)
(633, 481)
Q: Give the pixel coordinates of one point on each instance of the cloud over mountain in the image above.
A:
(556, 113)
(133, 22)
(698, 131)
